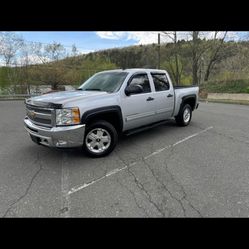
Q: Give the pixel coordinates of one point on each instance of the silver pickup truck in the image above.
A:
(106, 105)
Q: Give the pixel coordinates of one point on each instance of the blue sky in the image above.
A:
(84, 41)
(92, 41)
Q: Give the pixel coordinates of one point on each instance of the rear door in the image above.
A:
(139, 109)
(164, 96)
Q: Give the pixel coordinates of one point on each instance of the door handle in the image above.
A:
(170, 95)
(150, 99)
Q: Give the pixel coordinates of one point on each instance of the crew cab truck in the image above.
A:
(108, 104)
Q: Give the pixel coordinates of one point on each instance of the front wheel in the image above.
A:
(100, 139)
(184, 116)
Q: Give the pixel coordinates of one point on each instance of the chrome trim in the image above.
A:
(140, 115)
(186, 115)
(39, 107)
(44, 115)
(66, 136)
(98, 142)
(53, 117)
(41, 124)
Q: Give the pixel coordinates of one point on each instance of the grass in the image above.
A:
(232, 86)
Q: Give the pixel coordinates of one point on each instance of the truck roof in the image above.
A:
(132, 70)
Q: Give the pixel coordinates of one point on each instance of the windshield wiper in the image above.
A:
(92, 89)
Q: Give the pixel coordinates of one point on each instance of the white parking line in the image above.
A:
(178, 142)
(157, 152)
(194, 135)
(65, 204)
(76, 189)
(115, 171)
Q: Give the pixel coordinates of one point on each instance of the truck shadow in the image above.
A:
(128, 143)
(151, 133)
(125, 144)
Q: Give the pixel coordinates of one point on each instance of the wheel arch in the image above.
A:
(111, 114)
(189, 99)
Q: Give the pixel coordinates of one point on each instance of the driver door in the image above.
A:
(139, 109)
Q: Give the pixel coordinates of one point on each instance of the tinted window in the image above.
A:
(142, 80)
(161, 82)
(108, 82)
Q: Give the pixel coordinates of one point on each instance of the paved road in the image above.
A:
(197, 171)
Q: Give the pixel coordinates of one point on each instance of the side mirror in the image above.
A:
(133, 89)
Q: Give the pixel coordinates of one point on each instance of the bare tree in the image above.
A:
(176, 68)
(52, 70)
(196, 54)
(197, 49)
(208, 51)
(55, 70)
(54, 51)
(28, 57)
(10, 43)
(74, 51)
(216, 46)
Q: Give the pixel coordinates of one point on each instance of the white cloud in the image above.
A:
(140, 37)
(111, 35)
(85, 51)
(148, 37)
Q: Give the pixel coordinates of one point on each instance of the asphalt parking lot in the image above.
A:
(197, 171)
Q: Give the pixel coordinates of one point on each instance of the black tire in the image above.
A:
(180, 117)
(101, 124)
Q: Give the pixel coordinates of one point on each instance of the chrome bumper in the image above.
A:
(62, 137)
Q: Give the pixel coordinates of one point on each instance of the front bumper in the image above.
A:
(62, 137)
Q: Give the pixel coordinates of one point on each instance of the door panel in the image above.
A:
(139, 109)
(164, 96)
(165, 104)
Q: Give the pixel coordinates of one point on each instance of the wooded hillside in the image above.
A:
(220, 66)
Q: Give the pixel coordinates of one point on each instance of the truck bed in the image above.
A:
(179, 86)
(183, 91)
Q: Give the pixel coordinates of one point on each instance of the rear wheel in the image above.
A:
(184, 116)
(100, 139)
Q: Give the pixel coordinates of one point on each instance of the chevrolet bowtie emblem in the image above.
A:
(32, 114)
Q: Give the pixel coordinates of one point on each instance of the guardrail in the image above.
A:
(17, 96)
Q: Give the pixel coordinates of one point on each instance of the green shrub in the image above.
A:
(186, 80)
(228, 86)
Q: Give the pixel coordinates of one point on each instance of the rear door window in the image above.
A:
(160, 81)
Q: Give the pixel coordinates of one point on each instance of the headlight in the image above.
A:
(69, 116)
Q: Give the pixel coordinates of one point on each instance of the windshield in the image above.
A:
(106, 82)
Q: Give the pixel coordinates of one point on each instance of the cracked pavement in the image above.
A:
(205, 176)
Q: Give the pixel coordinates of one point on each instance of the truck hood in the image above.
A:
(59, 99)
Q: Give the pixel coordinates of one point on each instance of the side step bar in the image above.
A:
(146, 127)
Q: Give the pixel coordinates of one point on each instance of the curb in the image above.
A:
(9, 99)
(226, 101)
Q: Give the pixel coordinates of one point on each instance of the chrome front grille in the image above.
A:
(40, 116)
